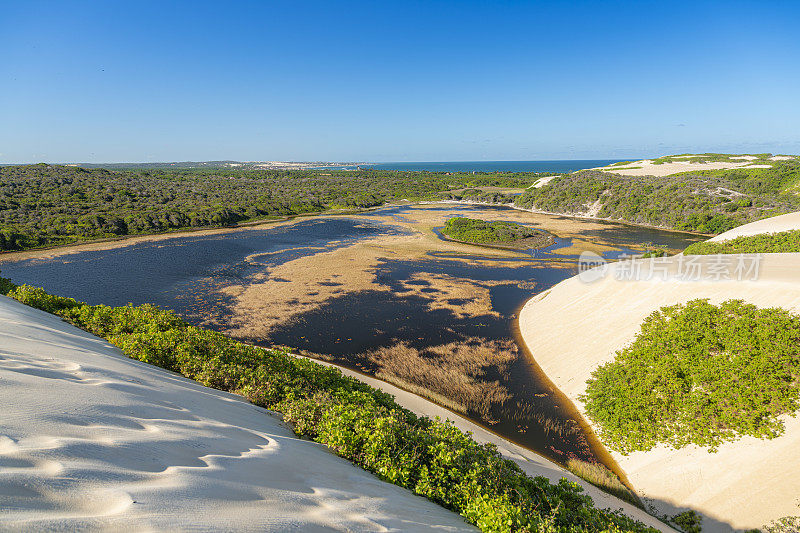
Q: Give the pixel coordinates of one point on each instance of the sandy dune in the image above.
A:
(789, 221)
(541, 182)
(646, 167)
(576, 326)
(92, 439)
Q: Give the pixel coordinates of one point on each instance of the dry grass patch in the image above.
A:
(455, 371)
(600, 476)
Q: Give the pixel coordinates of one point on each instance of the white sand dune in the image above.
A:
(787, 222)
(541, 182)
(646, 167)
(92, 439)
(575, 327)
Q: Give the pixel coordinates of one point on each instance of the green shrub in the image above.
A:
(38, 298)
(766, 243)
(429, 457)
(786, 524)
(689, 521)
(699, 373)
(6, 285)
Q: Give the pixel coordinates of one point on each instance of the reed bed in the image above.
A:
(603, 478)
(454, 371)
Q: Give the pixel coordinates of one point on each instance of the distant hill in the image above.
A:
(708, 193)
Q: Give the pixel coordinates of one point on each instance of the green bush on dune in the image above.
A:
(358, 422)
(767, 243)
(699, 374)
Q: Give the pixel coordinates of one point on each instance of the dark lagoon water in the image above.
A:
(556, 166)
(186, 274)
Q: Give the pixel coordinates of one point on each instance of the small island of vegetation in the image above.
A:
(477, 231)
(699, 374)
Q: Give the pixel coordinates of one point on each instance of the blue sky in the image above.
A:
(395, 81)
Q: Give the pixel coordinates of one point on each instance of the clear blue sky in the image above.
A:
(395, 81)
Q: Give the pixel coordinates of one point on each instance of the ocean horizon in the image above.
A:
(563, 165)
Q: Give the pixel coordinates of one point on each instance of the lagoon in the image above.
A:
(378, 292)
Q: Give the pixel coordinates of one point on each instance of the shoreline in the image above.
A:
(595, 444)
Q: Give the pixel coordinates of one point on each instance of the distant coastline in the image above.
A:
(559, 166)
(556, 165)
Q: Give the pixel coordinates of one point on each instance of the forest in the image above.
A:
(47, 205)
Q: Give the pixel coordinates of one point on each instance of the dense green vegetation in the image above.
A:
(766, 243)
(45, 205)
(360, 423)
(483, 232)
(706, 202)
(699, 373)
(688, 521)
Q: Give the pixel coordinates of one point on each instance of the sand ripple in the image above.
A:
(91, 439)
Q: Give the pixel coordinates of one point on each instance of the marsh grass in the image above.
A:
(603, 478)
(453, 374)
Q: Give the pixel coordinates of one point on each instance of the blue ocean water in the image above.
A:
(565, 165)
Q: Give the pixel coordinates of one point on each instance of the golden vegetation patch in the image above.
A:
(456, 371)
(462, 297)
